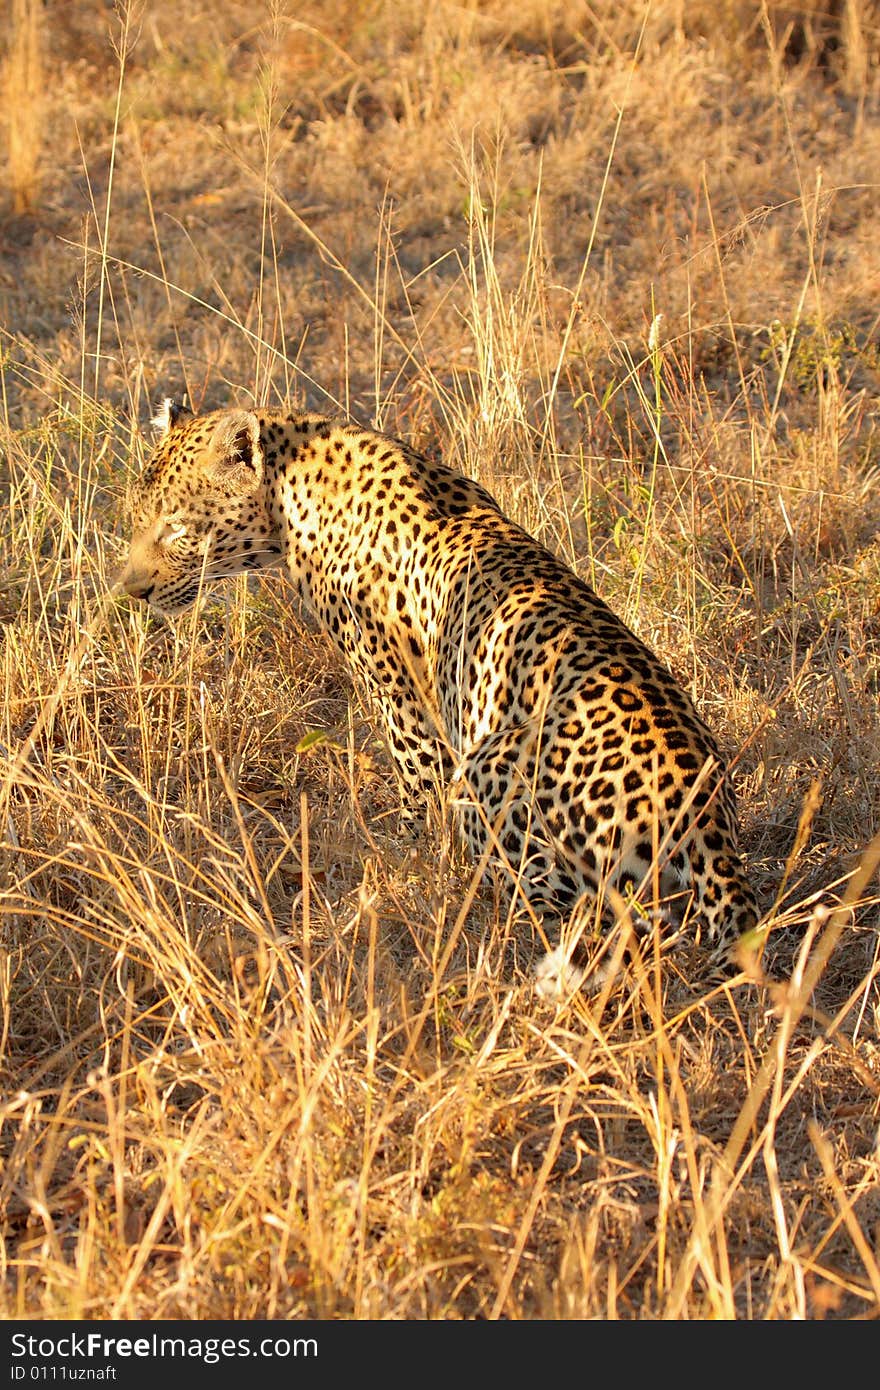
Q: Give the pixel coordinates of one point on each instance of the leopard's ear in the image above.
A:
(169, 414)
(236, 462)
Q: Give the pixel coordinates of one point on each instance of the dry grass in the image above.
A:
(260, 1057)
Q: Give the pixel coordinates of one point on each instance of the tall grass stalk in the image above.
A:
(24, 100)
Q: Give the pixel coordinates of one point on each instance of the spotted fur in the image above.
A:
(572, 756)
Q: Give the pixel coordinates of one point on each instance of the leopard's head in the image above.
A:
(198, 511)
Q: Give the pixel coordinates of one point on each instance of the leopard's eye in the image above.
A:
(170, 531)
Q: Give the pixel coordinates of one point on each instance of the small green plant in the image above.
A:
(810, 352)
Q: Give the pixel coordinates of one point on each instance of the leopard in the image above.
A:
(576, 767)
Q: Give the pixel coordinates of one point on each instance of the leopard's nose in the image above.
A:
(136, 582)
(144, 592)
